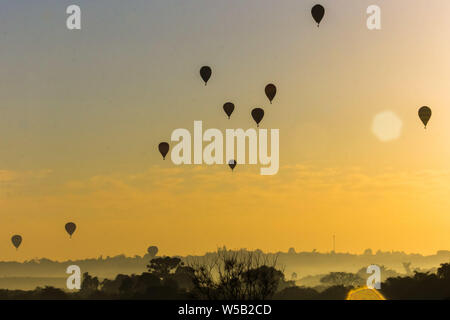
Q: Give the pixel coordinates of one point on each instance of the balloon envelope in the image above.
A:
(70, 228)
(205, 73)
(258, 115)
(163, 149)
(425, 115)
(232, 164)
(16, 240)
(318, 12)
(228, 108)
(271, 91)
(152, 250)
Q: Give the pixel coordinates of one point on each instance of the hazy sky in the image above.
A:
(82, 113)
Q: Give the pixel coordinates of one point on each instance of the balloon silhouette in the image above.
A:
(205, 73)
(152, 250)
(228, 108)
(425, 115)
(258, 115)
(318, 12)
(70, 228)
(232, 164)
(271, 91)
(163, 149)
(16, 241)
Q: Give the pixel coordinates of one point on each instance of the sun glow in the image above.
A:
(365, 293)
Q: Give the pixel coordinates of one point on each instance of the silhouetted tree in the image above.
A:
(162, 267)
(297, 293)
(342, 279)
(335, 293)
(183, 276)
(49, 293)
(443, 271)
(236, 276)
(423, 285)
(407, 267)
(89, 285)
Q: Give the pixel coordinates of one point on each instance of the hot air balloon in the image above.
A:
(232, 164)
(16, 241)
(258, 115)
(271, 91)
(205, 73)
(228, 108)
(163, 149)
(318, 12)
(152, 251)
(70, 228)
(425, 115)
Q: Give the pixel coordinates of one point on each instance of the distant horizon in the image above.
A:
(160, 254)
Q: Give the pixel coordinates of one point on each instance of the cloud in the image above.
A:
(244, 181)
(11, 177)
(22, 183)
(197, 206)
(199, 191)
(215, 183)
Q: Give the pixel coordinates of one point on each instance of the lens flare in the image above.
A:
(387, 126)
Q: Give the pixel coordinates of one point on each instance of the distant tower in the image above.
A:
(334, 243)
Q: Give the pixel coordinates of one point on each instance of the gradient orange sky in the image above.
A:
(82, 113)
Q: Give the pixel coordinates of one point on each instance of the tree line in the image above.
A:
(231, 275)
